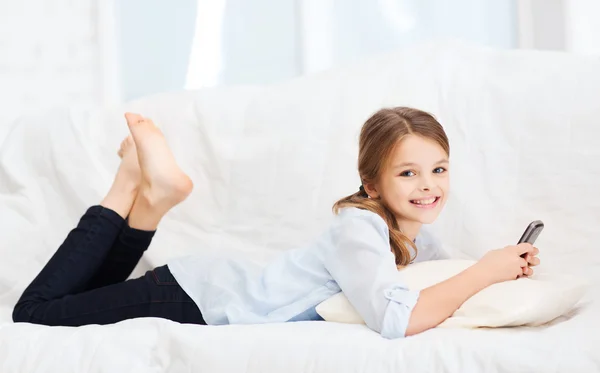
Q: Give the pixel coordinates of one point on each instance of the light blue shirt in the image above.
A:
(352, 256)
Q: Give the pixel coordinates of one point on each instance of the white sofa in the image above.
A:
(524, 146)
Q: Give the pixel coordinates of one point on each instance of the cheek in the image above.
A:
(444, 184)
(401, 189)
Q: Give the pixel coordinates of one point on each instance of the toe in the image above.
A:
(127, 142)
(133, 119)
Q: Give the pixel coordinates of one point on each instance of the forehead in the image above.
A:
(419, 150)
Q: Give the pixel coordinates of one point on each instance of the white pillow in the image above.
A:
(526, 301)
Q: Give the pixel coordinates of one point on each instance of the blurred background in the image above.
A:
(86, 53)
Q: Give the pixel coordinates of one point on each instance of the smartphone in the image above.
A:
(532, 232)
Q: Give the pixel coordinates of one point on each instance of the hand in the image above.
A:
(532, 260)
(507, 264)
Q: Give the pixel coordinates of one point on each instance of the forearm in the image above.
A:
(438, 302)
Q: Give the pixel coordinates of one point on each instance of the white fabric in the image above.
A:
(529, 301)
(524, 136)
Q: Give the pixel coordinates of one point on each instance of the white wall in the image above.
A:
(153, 44)
(49, 55)
(336, 32)
(262, 41)
(244, 42)
(88, 52)
(563, 25)
(582, 29)
(542, 24)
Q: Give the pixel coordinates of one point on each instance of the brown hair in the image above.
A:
(379, 136)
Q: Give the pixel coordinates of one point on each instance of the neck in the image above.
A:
(409, 228)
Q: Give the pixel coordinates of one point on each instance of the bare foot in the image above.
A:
(163, 183)
(124, 190)
(129, 170)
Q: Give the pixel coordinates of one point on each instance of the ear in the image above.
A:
(371, 189)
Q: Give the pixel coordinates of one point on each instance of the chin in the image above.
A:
(427, 219)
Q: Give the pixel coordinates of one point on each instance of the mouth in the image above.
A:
(425, 203)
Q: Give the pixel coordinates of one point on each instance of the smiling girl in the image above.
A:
(404, 166)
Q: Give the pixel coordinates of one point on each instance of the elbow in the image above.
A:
(392, 334)
(394, 325)
(397, 319)
(413, 326)
(418, 323)
(412, 330)
(402, 330)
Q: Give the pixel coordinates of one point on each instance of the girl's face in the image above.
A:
(415, 184)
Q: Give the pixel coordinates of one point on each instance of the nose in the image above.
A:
(426, 183)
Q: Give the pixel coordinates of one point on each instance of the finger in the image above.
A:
(520, 275)
(523, 263)
(536, 251)
(533, 261)
(524, 248)
(527, 271)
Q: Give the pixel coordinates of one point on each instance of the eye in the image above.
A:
(408, 173)
(439, 170)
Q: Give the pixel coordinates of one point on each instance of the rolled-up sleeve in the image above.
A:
(364, 267)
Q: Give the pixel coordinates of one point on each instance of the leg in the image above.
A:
(122, 258)
(131, 243)
(124, 189)
(156, 294)
(80, 258)
(87, 246)
(77, 259)
(163, 185)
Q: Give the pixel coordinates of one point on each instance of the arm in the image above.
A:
(438, 302)
(361, 262)
(364, 267)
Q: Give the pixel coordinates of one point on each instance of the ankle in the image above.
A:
(125, 186)
(146, 212)
(164, 194)
(119, 202)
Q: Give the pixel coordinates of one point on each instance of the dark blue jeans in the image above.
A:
(85, 281)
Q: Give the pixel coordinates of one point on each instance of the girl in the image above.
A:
(403, 165)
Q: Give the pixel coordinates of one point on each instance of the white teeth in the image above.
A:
(424, 201)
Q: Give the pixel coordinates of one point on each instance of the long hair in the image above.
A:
(379, 136)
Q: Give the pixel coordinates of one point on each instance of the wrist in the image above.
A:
(480, 275)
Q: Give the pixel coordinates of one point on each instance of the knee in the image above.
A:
(20, 313)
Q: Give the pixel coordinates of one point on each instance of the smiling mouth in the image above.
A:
(429, 202)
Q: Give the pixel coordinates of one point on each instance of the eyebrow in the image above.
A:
(405, 164)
